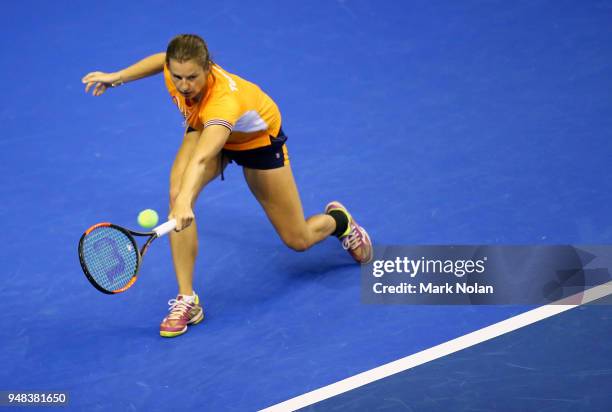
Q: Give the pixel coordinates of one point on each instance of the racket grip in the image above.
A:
(165, 228)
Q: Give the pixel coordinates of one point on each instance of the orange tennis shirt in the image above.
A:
(241, 106)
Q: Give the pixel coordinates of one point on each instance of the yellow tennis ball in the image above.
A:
(148, 218)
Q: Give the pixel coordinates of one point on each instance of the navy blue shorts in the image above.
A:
(268, 157)
(262, 158)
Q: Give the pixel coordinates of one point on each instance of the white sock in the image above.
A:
(189, 299)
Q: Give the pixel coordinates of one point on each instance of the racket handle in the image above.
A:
(165, 228)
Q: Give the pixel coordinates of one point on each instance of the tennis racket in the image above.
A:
(110, 257)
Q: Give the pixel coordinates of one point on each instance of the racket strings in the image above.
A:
(110, 257)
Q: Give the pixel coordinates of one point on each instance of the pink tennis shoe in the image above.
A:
(355, 240)
(182, 313)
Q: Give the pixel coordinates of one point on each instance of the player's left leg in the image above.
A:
(277, 193)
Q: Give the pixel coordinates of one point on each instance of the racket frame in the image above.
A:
(139, 253)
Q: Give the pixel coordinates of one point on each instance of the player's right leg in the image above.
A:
(185, 309)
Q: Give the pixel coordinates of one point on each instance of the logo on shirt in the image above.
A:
(232, 84)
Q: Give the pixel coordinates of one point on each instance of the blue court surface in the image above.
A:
(435, 122)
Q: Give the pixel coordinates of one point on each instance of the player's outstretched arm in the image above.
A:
(146, 67)
(209, 145)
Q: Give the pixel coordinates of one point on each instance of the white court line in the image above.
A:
(446, 348)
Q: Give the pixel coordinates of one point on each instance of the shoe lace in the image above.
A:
(352, 241)
(178, 309)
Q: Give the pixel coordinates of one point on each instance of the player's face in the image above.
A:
(188, 77)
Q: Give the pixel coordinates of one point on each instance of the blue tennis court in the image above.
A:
(435, 122)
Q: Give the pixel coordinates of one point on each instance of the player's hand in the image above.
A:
(183, 213)
(101, 81)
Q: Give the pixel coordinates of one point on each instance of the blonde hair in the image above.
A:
(186, 47)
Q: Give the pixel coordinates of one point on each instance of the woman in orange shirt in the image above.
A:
(227, 119)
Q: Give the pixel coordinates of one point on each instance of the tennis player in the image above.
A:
(227, 119)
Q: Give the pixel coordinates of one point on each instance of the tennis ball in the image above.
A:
(148, 218)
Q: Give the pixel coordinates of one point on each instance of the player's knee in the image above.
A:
(173, 195)
(296, 242)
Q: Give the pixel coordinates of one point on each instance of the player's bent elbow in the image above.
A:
(200, 162)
